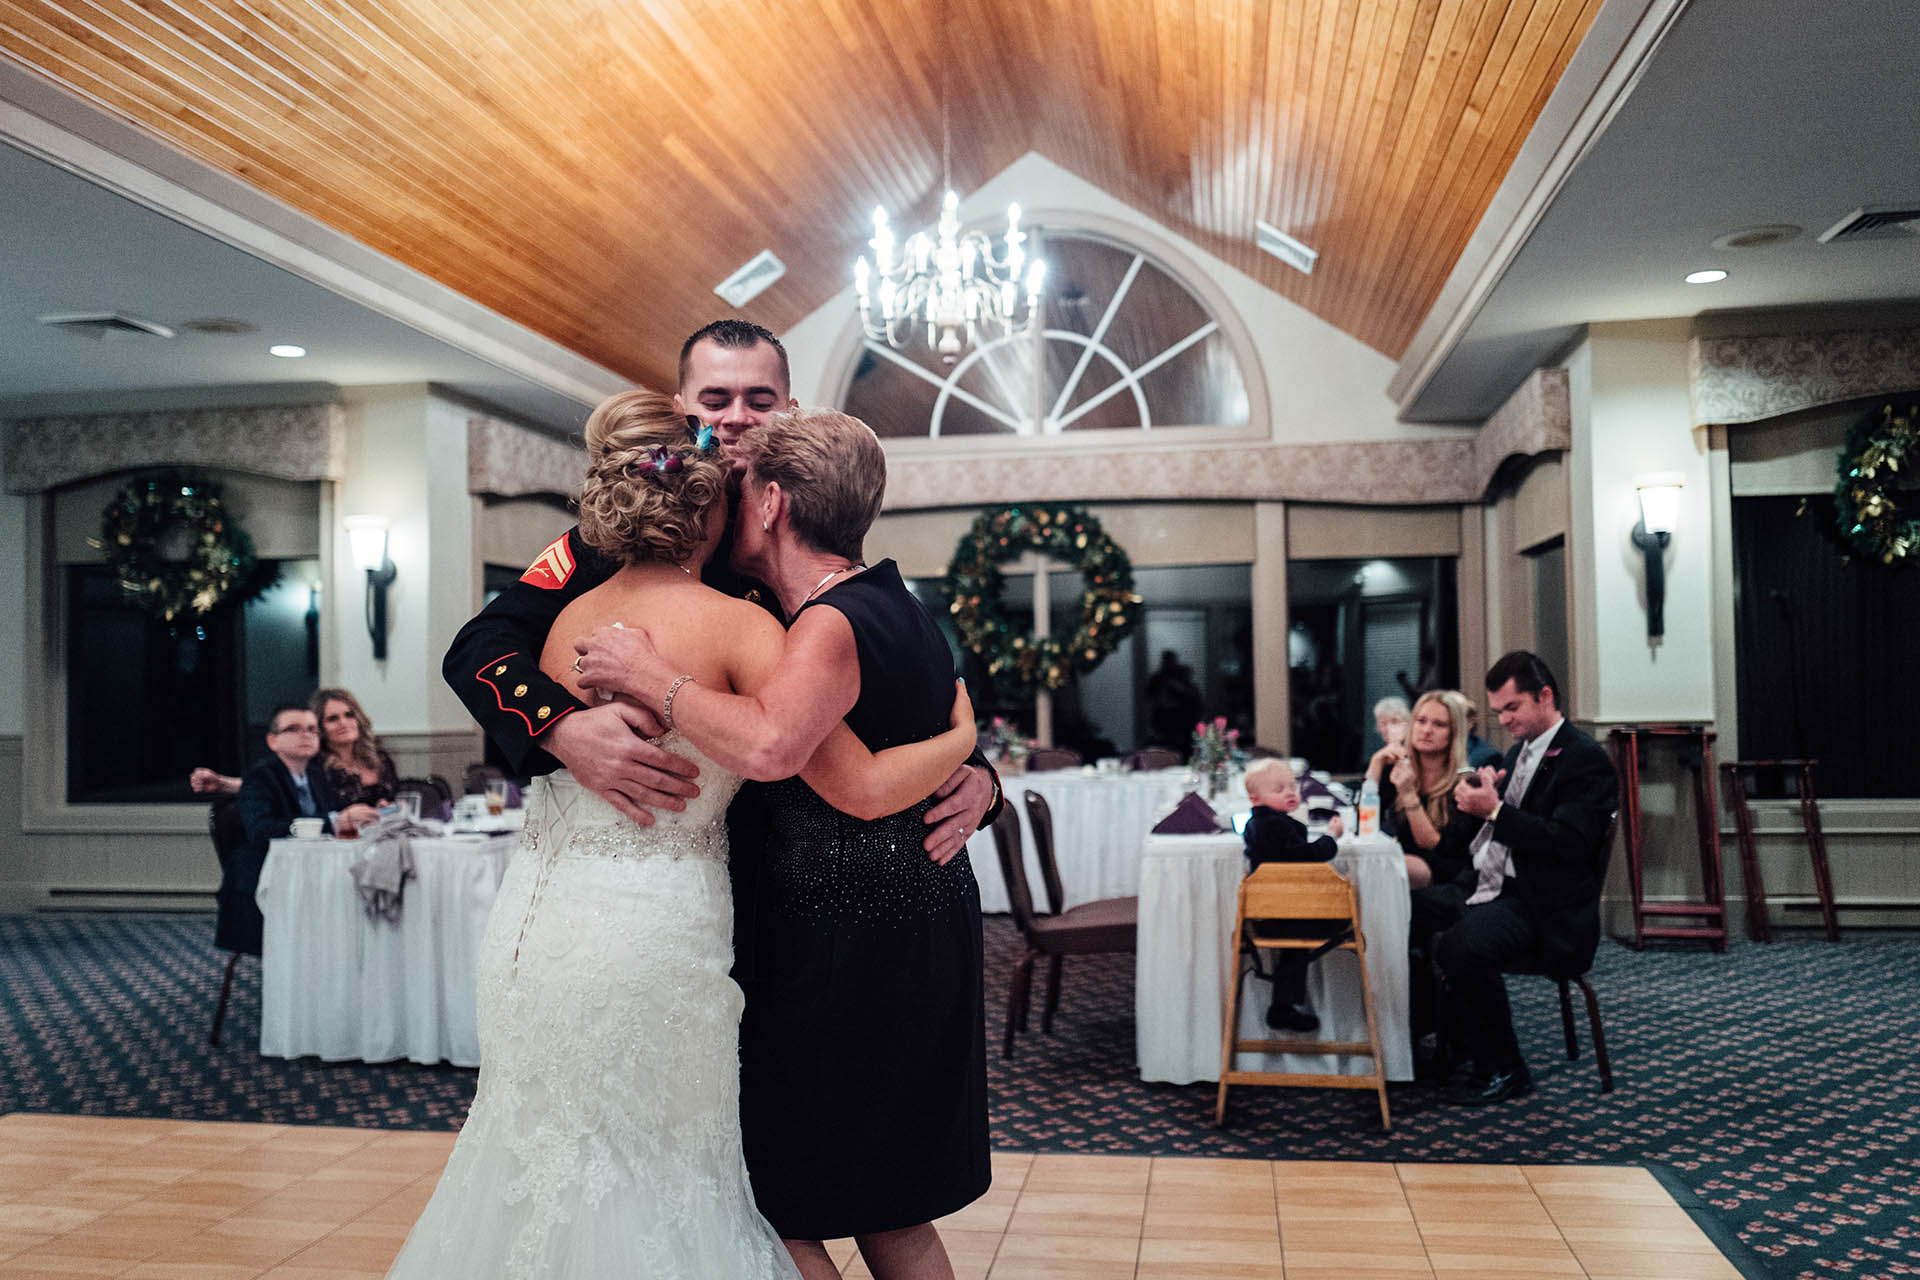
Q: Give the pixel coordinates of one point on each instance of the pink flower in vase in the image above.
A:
(1219, 722)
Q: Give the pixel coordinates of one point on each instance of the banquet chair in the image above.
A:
(478, 776)
(1040, 822)
(1108, 927)
(1304, 895)
(1043, 759)
(1561, 979)
(237, 922)
(1151, 758)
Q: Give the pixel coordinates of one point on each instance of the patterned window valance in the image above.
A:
(509, 461)
(1739, 380)
(1535, 419)
(287, 442)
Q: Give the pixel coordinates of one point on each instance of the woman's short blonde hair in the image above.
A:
(632, 509)
(832, 469)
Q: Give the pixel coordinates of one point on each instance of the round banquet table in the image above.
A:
(1100, 825)
(338, 986)
(1189, 892)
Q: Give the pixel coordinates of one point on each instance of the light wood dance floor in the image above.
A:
(173, 1200)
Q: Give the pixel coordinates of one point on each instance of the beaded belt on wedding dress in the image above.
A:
(610, 837)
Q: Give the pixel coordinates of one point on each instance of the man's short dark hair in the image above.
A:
(1528, 673)
(273, 719)
(736, 334)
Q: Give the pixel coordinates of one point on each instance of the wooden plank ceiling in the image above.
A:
(592, 168)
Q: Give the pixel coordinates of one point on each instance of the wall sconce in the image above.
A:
(1659, 511)
(368, 537)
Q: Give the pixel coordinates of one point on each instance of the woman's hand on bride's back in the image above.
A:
(622, 660)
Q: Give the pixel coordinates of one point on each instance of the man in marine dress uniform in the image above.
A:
(733, 377)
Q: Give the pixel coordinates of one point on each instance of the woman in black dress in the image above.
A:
(863, 1056)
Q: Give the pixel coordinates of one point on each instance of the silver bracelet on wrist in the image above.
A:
(666, 707)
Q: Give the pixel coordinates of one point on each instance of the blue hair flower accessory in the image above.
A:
(702, 433)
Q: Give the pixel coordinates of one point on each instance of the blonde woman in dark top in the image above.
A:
(1420, 774)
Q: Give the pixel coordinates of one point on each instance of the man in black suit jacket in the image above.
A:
(1533, 897)
(289, 783)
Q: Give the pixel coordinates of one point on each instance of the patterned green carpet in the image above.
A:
(1776, 1084)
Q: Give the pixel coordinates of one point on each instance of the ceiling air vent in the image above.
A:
(1876, 222)
(1284, 247)
(744, 285)
(107, 324)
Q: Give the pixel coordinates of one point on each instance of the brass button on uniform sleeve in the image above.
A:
(544, 712)
(519, 691)
(500, 670)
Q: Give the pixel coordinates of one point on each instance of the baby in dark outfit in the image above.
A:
(1274, 835)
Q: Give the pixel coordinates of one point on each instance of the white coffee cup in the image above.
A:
(308, 828)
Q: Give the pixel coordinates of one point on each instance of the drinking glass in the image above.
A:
(410, 805)
(496, 797)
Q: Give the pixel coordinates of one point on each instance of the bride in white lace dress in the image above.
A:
(604, 1136)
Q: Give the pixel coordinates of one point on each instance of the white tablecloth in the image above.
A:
(1189, 887)
(1100, 824)
(339, 986)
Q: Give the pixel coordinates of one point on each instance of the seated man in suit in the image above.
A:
(287, 784)
(1538, 865)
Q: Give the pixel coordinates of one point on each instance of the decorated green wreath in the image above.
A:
(1877, 498)
(1065, 533)
(175, 547)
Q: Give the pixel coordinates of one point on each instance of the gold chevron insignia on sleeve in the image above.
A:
(552, 567)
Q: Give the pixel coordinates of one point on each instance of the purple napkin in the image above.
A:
(1192, 816)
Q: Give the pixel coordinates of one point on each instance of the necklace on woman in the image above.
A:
(829, 578)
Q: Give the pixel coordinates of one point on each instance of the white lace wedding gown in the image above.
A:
(604, 1138)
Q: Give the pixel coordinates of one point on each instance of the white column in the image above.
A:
(1042, 628)
(406, 461)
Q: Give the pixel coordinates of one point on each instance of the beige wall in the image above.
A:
(406, 460)
(512, 531)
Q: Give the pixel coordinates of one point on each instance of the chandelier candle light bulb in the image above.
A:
(963, 285)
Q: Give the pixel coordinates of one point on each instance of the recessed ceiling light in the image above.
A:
(287, 351)
(1712, 275)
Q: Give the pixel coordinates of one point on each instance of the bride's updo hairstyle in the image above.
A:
(832, 469)
(649, 486)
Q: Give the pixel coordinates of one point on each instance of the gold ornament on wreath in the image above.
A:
(1877, 497)
(175, 547)
(1070, 534)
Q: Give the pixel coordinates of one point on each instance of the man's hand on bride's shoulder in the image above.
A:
(606, 750)
(622, 660)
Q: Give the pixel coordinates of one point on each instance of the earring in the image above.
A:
(764, 526)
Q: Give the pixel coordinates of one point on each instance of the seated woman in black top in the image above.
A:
(1273, 834)
(358, 768)
(1417, 793)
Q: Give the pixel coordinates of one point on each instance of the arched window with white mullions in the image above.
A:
(1122, 345)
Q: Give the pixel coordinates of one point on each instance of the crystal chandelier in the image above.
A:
(961, 286)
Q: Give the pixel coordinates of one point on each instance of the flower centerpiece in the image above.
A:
(1003, 744)
(1216, 749)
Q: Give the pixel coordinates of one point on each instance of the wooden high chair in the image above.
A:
(1290, 891)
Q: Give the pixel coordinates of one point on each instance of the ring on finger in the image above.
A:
(575, 668)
